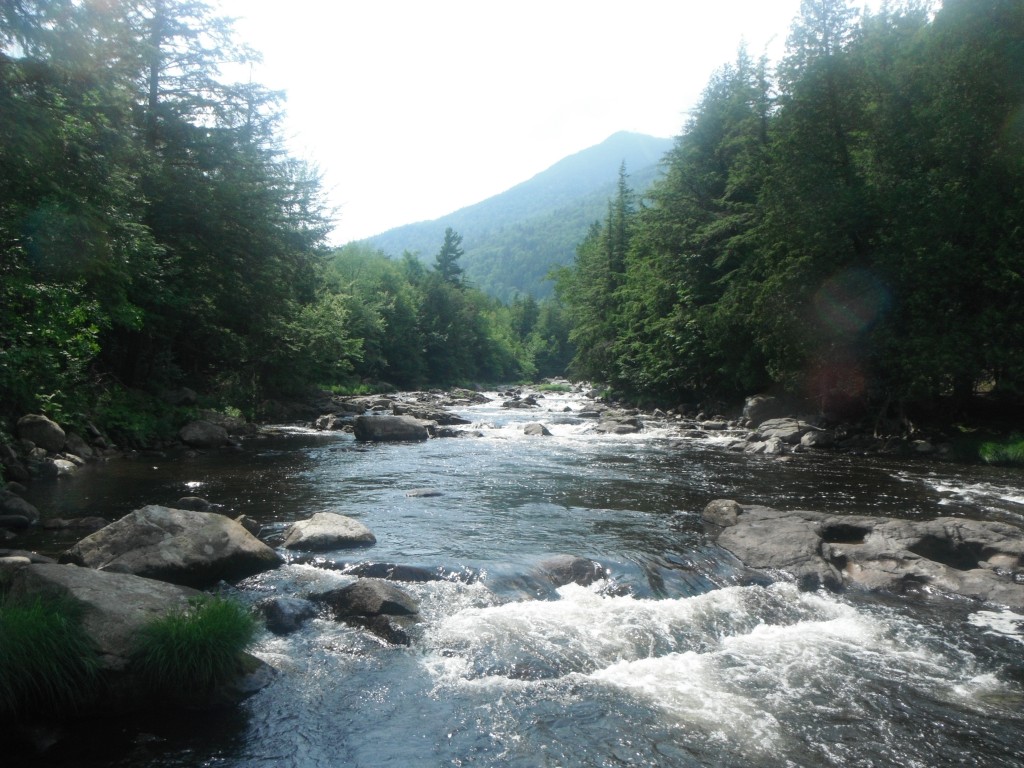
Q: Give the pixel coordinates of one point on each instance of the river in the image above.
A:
(682, 658)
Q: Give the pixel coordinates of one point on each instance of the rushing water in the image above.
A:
(684, 659)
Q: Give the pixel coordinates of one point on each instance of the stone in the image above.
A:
(760, 408)
(980, 560)
(285, 615)
(196, 549)
(425, 413)
(115, 607)
(203, 434)
(42, 431)
(76, 445)
(723, 512)
(787, 430)
(423, 493)
(368, 597)
(13, 504)
(389, 429)
(14, 522)
(817, 438)
(571, 569)
(326, 531)
(251, 525)
(536, 430)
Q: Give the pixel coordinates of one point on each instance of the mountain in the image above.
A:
(513, 239)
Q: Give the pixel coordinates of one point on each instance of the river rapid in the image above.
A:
(681, 658)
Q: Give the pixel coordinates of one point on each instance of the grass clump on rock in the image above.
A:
(48, 664)
(191, 652)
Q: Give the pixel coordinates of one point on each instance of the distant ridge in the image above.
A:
(513, 239)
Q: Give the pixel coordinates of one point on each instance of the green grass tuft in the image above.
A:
(48, 664)
(1008, 452)
(192, 651)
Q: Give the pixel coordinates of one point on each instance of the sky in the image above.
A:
(412, 109)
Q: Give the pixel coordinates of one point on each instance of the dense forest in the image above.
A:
(848, 228)
(154, 235)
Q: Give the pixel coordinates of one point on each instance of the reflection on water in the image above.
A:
(686, 659)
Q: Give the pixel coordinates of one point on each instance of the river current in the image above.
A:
(681, 658)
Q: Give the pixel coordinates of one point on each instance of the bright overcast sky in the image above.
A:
(413, 109)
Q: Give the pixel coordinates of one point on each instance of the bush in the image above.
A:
(48, 664)
(1009, 452)
(193, 651)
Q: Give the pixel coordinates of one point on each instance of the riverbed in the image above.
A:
(681, 657)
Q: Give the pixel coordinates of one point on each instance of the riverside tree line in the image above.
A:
(846, 227)
(154, 234)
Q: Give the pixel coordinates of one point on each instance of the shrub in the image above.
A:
(1009, 452)
(192, 651)
(48, 664)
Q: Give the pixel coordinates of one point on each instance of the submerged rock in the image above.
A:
(368, 597)
(285, 615)
(976, 559)
(571, 569)
(196, 549)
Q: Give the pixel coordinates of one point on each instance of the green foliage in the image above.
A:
(849, 230)
(48, 665)
(190, 652)
(134, 417)
(1008, 452)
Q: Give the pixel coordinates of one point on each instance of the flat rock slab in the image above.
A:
(325, 531)
(975, 559)
(195, 549)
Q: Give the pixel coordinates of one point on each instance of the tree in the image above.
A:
(446, 263)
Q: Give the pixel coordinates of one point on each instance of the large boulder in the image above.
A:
(326, 531)
(536, 429)
(390, 429)
(760, 408)
(42, 431)
(115, 606)
(787, 430)
(203, 434)
(11, 504)
(976, 559)
(196, 549)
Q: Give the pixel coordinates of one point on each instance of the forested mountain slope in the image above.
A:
(513, 239)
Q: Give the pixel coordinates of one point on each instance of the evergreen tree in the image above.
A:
(446, 263)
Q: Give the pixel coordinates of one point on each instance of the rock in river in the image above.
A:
(196, 549)
(390, 429)
(976, 559)
(328, 530)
